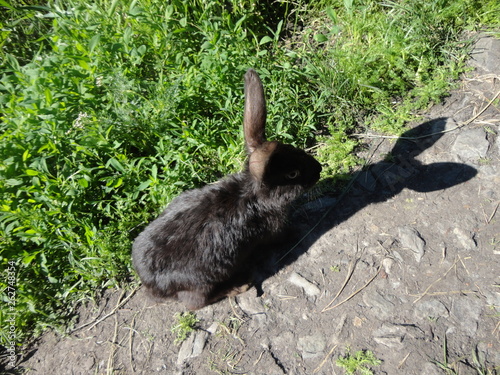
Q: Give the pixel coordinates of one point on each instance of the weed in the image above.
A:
(335, 268)
(231, 327)
(186, 323)
(477, 363)
(448, 368)
(360, 362)
(225, 361)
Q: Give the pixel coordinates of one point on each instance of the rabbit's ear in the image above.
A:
(254, 117)
(258, 160)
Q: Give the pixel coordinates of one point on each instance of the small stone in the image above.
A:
(470, 146)
(357, 322)
(213, 328)
(192, 347)
(430, 309)
(411, 239)
(465, 239)
(394, 335)
(311, 346)
(199, 343)
(387, 264)
(380, 303)
(492, 298)
(466, 311)
(486, 54)
(389, 335)
(185, 350)
(87, 363)
(309, 288)
(341, 331)
(250, 303)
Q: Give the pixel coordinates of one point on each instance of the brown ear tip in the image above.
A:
(251, 74)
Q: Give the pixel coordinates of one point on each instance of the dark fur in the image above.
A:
(204, 244)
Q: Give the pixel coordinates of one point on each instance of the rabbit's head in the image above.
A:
(272, 163)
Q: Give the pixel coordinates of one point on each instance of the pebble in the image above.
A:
(465, 239)
(193, 346)
(387, 264)
(341, 331)
(486, 54)
(466, 311)
(411, 239)
(311, 346)
(430, 309)
(470, 146)
(309, 288)
(394, 335)
(381, 303)
(389, 335)
(251, 304)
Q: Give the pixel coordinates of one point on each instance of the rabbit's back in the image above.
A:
(204, 236)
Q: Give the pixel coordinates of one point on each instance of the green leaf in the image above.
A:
(265, 39)
(112, 7)
(28, 259)
(84, 65)
(83, 183)
(330, 12)
(144, 185)
(142, 50)
(116, 165)
(94, 42)
(6, 4)
(13, 182)
(320, 38)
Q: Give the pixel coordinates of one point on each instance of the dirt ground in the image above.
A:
(405, 264)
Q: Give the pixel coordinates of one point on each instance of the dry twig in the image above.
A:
(324, 360)
(350, 271)
(435, 282)
(109, 368)
(356, 292)
(461, 125)
(493, 213)
(115, 309)
(403, 361)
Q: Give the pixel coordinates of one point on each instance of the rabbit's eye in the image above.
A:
(293, 174)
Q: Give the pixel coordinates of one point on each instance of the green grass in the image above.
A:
(109, 109)
(476, 362)
(358, 363)
(185, 324)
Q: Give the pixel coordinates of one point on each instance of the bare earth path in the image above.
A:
(406, 264)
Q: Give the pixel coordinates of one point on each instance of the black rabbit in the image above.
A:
(204, 245)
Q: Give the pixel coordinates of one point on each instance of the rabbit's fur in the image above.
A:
(204, 245)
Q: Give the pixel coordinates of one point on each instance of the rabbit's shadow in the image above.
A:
(378, 182)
